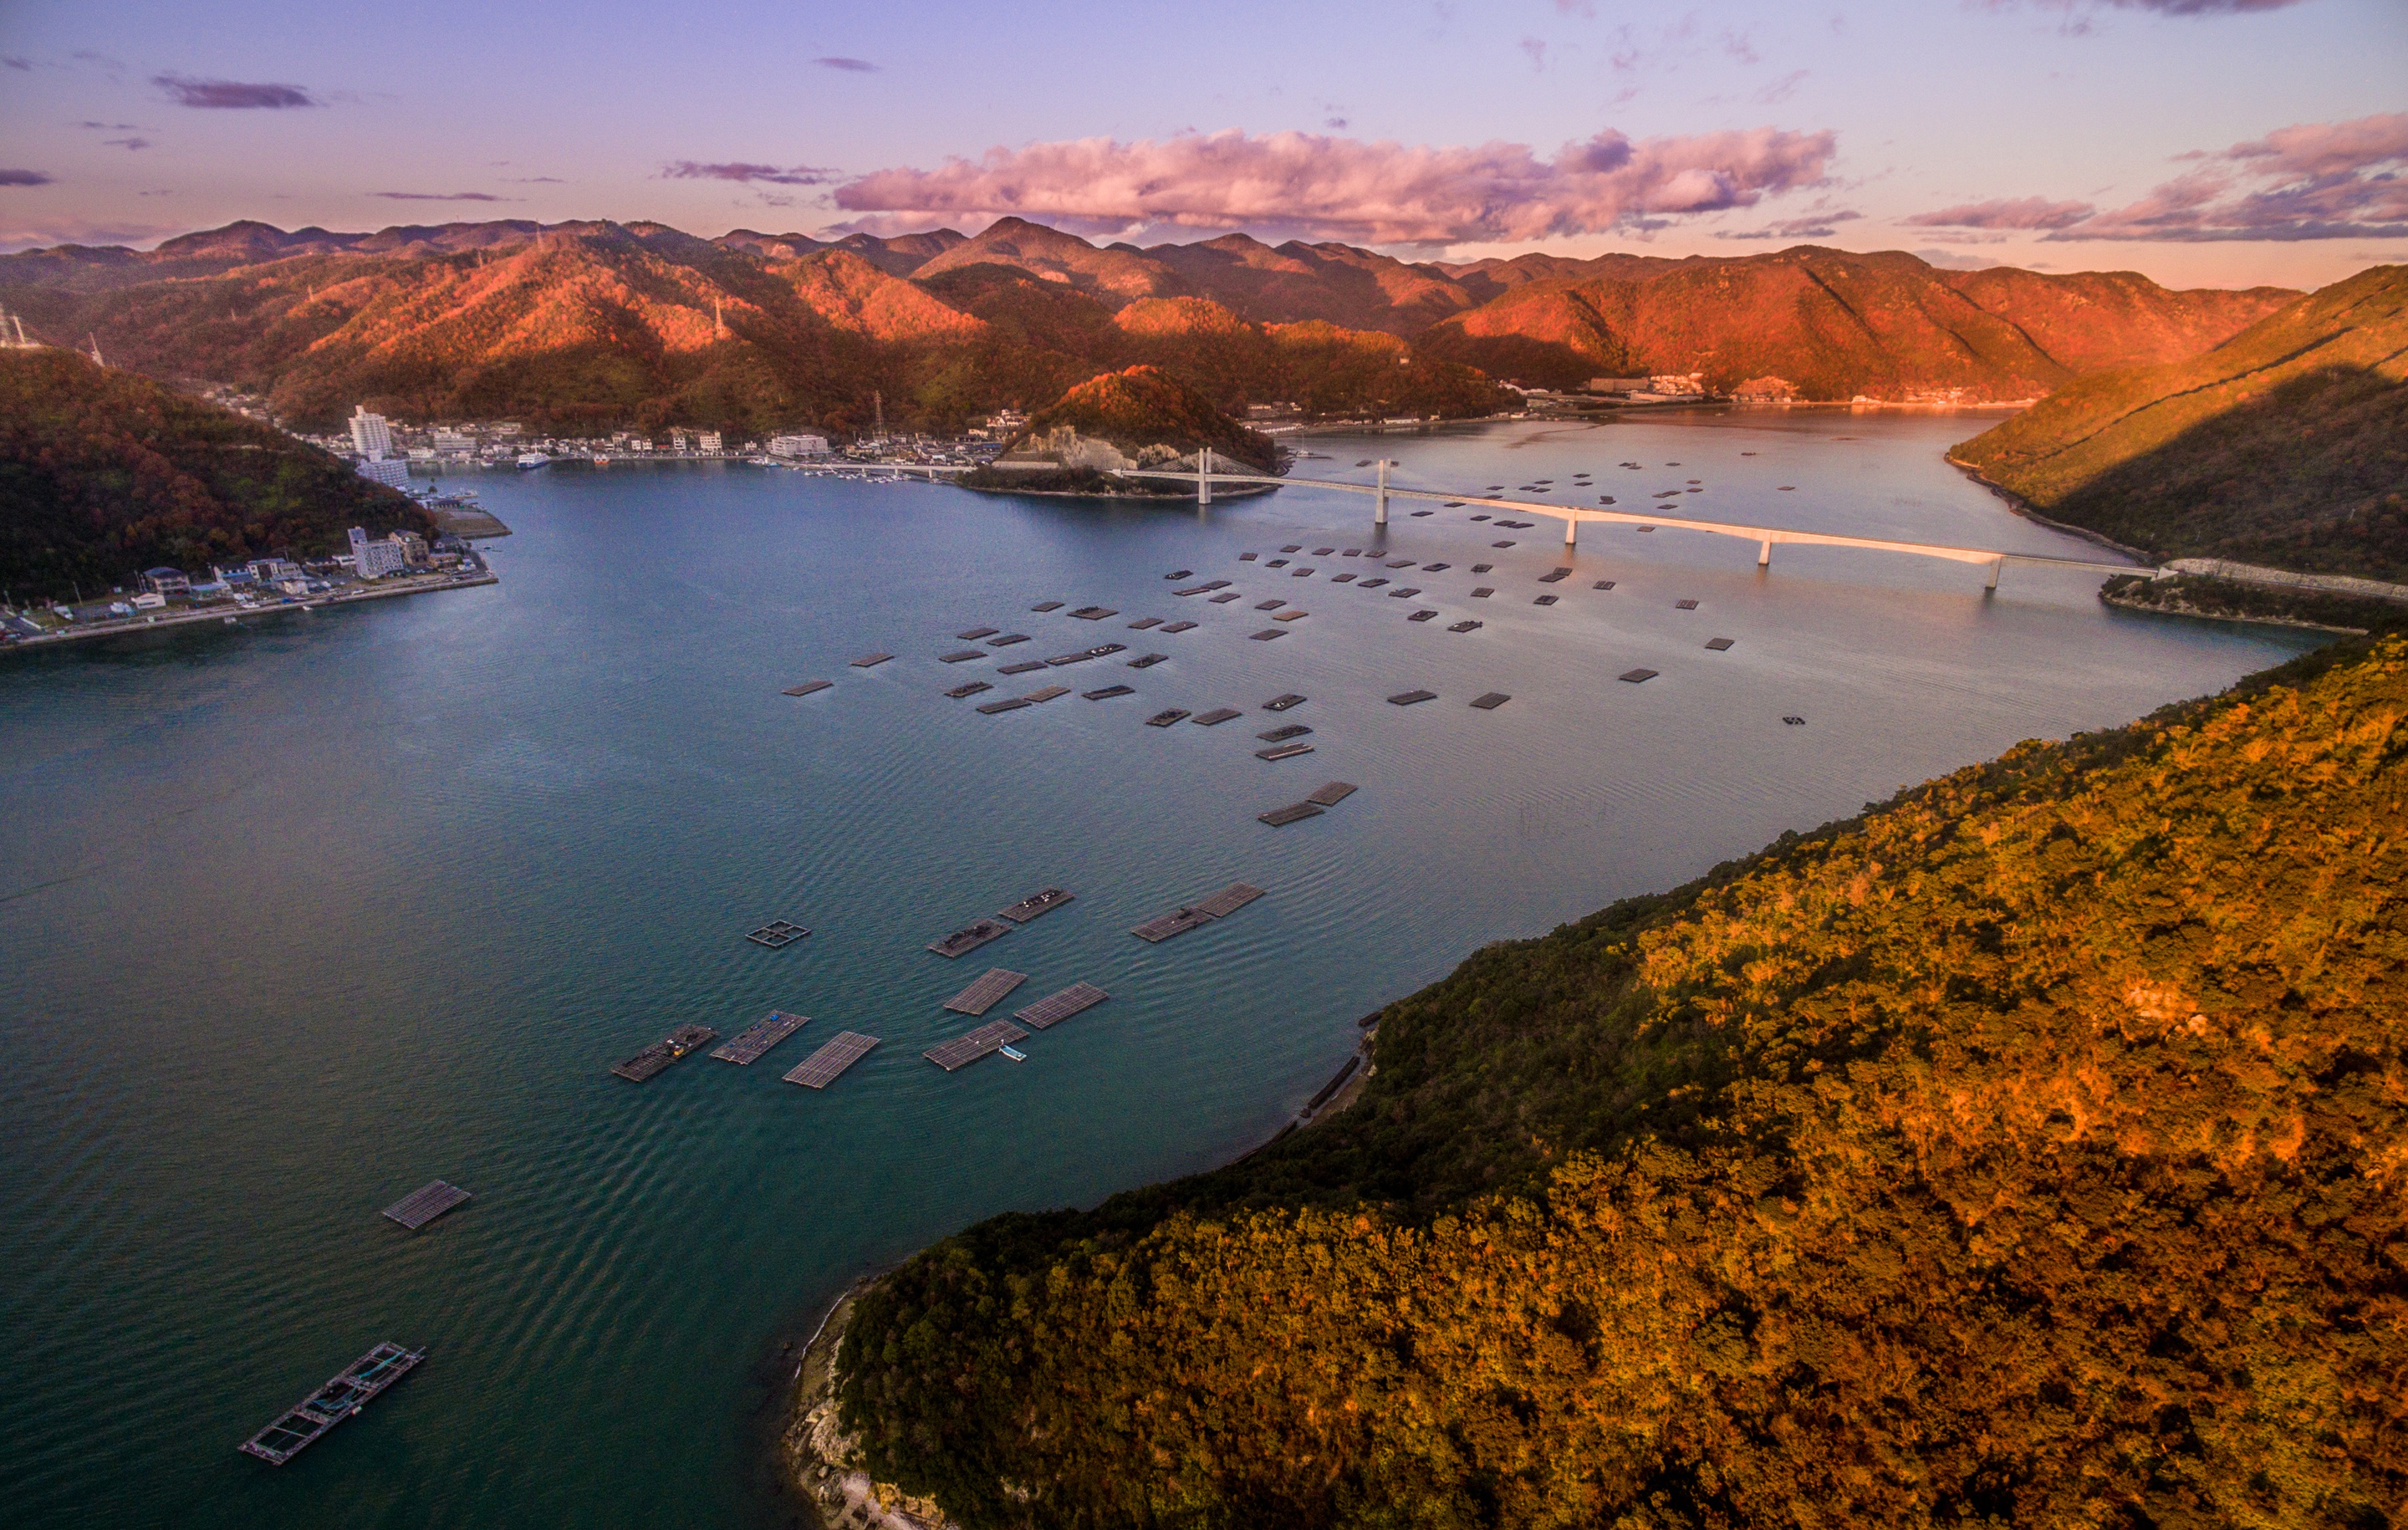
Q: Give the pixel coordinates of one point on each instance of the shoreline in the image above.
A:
(130, 628)
(2022, 506)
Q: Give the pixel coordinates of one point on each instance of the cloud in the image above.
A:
(440, 196)
(794, 175)
(14, 236)
(1537, 49)
(126, 143)
(23, 178)
(1820, 226)
(1948, 260)
(1381, 193)
(232, 94)
(856, 66)
(13, 62)
(1782, 89)
(2312, 180)
(2004, 212)
(2162, 8)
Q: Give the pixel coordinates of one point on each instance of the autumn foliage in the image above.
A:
(2031, 1150)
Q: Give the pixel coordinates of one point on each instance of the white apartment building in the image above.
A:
(371, 436)
(799, 445)
(706, 441)
(394, 473)
(372, 559)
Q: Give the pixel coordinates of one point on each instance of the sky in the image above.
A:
(2201, 142)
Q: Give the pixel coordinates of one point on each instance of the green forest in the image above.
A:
(2026, 1151)
(104, 474)
(2285, 446)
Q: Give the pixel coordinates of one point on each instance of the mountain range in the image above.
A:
(599, 324)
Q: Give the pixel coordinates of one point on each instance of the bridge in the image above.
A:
(1765, 538)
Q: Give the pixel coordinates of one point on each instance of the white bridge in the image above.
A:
(1765, 538)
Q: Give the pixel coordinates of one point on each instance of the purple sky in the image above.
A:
(2205, 142)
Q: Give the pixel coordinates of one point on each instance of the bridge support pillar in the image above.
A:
(1380, 500)
(1571, 532)
(1764, 554)
(1204, 476)
(1996, 563)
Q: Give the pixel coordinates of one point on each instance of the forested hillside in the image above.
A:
(104, 474)
(578, 325)
(2032, 1151)
(2285, 445)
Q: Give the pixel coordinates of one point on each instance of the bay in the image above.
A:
(301, 916)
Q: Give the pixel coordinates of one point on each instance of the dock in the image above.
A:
(1404, 593)
(1281, 734)
(1408, 698)
(1147, 660)
(986, 993)
(1545, 600)
(1291, 614)
(1420, 616)
(421, 1207)
(1007, 639)
(1268, 605)
(820, 1069)
(1094, 613)
(1046, 692)
(1011, 704)
(1466, 625)
(961, 656)
(1332, 794)
(1719, 644)
(962, 942)
(748, 1046)
(1556, 575)
(350, 1390)
(1025, 666)
(807, 688)
(1178, 626)
(1685, 605)
(1179, 921)
(976, 633)
(1282, 751)
(1280, 704)
(1047, 606)
(1215, 716)
(1165, 718)
(1225, 597)
(1144, 623)
(1101, 651)
(871, 661)
(1036, 904)
(776, 933)
(1107, 693)
(1268, 634)
(961, 692)
(1280, 817)
(1638, 677)
(1602, 584)
(1054, 1009)
(1490, 702)
(661, 1054)
(962, 1051)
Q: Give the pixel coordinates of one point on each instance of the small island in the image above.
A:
(1141, 418)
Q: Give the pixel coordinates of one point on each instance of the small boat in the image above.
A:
(528, 460)
(1014, 1053)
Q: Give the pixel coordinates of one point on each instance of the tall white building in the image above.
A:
(372, 558)
(370, 436)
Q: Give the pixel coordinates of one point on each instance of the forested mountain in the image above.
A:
(589, 324)
(104, 474)
(2027, 1152)
(2285, 445)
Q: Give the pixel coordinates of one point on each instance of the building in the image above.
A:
(371, 436)
(413, 547)
(1617, 385)
(799, 445)
(373, 560)
(394, 473)
(706, 441)
(274, 570)
(455, 440)
(167, 582)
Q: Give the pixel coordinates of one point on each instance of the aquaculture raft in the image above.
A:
(1179, 921)
(1280, 817)
(747, 1048)
(820, 1069)
(421, 1207)
(776, 933)
(345, 1394)
(986, 993)
(1331, 795)
(1036, 904)
(871, 661)
(661, 1054)
(964, 1050)
(807, 688)
(1490, 702)
(1056, 1007)
(970, 939)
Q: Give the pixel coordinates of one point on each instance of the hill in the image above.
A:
(2287, 445)
(1147, 407)
(104, 474)
(577, 326)
(1836, 325)
(2027, 1152)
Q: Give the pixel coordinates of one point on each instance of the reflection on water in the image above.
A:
(301, 917)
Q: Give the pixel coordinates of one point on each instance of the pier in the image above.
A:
(962, 1051)
(1056, 1007)
(421, 1207)
(820, 1069)
(986, 993)
(350, 1390)
(748, 1046)
(661, 1054)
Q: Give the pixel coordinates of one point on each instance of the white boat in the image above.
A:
(1014, 1053)
(533, 459)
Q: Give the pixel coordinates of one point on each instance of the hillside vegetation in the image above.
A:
(1145, 406)
(2031, 1150)
(104, 474)
(2287, 445)
(579, 326)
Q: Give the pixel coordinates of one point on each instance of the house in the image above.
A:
(167, 582)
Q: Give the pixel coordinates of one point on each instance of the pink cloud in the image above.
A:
(2312, 180)
(2004, 212)
(1381, 193)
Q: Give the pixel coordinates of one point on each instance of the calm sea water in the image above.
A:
(298, 917)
